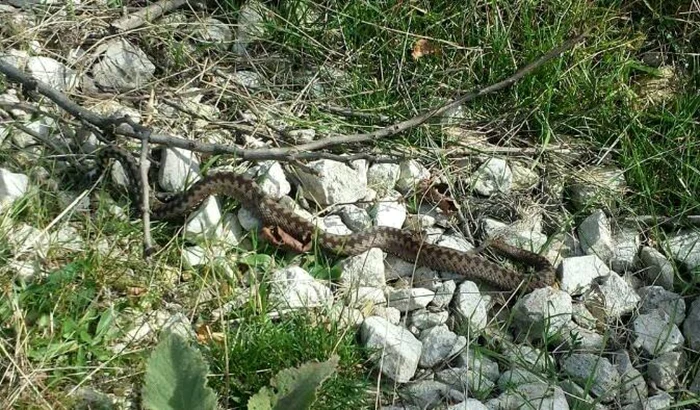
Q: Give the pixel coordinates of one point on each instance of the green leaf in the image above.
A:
(296, 388)
(104, 325)
(176, 378)
(260, 260)
(262, 400)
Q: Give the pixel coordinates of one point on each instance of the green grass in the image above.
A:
(590, 94)
(60, 327)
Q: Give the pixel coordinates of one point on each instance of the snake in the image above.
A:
(404, 244)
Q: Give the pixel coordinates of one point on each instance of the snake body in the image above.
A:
(403, 244)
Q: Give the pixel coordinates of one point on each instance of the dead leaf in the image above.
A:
(205, 335)
(277, 236)
(423, 47)
(439, 195)
(135, 291)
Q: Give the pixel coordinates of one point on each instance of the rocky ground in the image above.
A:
(618, 331)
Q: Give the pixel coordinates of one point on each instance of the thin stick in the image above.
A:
(144, 165)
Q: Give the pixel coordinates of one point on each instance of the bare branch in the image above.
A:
(147, 14)
(298, 152)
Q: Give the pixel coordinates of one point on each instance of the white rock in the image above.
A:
(10, 97)
(248, 220)
(425, 319)
(391, 314)
(230, 232)
(537, 395)
(465, 380)
(588, 369)
(665, 369)
(579, 272)
(410, 299)
(444, 294)
(419, 222)
(685, 247)
(626, 248)
(580, 339)
(656, 334)
(355, 218)
(23, 238)
(657, 269)
(582, 316)
(68, 237)
(335, 225)
(136, 334)
(204, 222)
(42, 127)
(389, 212)
(119, 176)
(661, 401)
(121, 66)
(179, 169)
(656, 297)
(439, 344)
(273, 180)
(420, 276)
(334, 183)
(691, 325)
(293, 287)
(433, 235)
(366, 295)
(25, 270)
(213, 31)
(382, 177)
(52, 72)
(478, 361)
(14, 57)
(524, 177)
(470, 306)
(112, 108)
(578, 397)
(455, 242)
(620, 297)
(543, 312)
(468, 404)
(411, 174)
(528, 357)
(633, 387)
(562, 246)
(12, 187)
(595, 236)
(493, 176)
(196, 256)
(180, 325)
(251, 26)
(517, 235)
(516, 376)
(597, 186)
(397, 351)
(365, 269)
(424, 394)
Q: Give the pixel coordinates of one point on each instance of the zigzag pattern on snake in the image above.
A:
(403, 244)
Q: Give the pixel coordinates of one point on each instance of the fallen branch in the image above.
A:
(298, 152)
(147, 14)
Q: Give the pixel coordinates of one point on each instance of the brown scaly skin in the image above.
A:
(403, 244)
